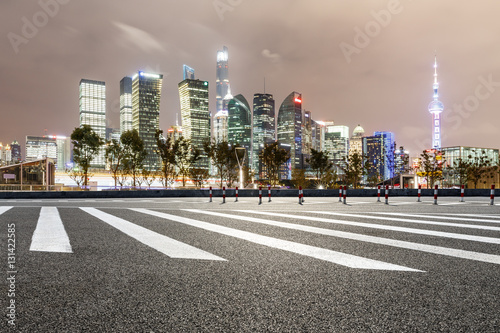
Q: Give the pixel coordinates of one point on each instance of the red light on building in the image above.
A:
(298, 100)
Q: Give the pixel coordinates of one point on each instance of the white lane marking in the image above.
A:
(3, 209)
(437, 217)
(385, 218)
(159, 242)
(340, 258)
(62, 200)
(50, 235)
(471, 215)
(477, 256)
(481, 239)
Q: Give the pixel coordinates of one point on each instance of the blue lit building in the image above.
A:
(379, 149)
(290, 127)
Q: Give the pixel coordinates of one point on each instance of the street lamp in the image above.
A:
(240, 157)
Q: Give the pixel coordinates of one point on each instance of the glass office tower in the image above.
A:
(290, 127)
(240, 124)
(125, 104)
(264, 127)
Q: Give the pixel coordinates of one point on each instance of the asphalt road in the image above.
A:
(187, 265)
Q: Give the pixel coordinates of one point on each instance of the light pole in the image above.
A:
(240, 157)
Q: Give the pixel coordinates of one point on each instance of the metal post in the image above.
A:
(210, 194)
(462, 193)
(419, 192)
(435, 194)
(260, 195)
(386, 194)
(223, 194)
(492, 195)
(269, 192)
(345, 194)
(236, 194)
(378, 193)
(340, 193)
(300, 195)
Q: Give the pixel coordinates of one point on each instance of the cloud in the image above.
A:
(274, 57)
(136, 37)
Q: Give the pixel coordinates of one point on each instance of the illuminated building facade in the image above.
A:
(38, 147)
(5, 154)
(264, 128)
(222, 79)
(146, 94)
(188, 72)
(195, 114)
(290, 127)
(336, 144)
(16, 152)
(379, 148)
(93, 113)
(240, 124)
(435, 108)
(125, 104)
(356, 142)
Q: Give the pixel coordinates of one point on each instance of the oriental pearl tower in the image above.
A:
(435, 108)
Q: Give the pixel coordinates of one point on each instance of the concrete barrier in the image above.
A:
(185, 193)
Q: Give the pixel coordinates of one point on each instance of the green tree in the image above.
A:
(479, 167)
(320, 164)
(330, 179)
(199, 176)
(461, 170)
(167, 152)
(431, 166)
(115, 153)
(135, 154)
(220, 154)
(273, 157)
(86, 146)
(186, 157)
(354, 168)
(299, 178)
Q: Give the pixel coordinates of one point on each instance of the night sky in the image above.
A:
(355, 62)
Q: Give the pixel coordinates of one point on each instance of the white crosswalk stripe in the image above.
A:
(306, 250)
(50, 235)
(437, 217)
(3, 209)
(484, 257)
(161, 243)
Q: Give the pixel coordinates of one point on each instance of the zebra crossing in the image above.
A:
(50, 234)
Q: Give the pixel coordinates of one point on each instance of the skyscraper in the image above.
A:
(188, 72)
(195, 114)
(264, 128)
(222, 79)
(93, 113)
(240, 124)
(221, 118)
(125, 104)
(16, 152)
(380, 150)
(290, 127)
(336, 144)
(38, 147)
(356, 142)
(435, 108)
(146, 94)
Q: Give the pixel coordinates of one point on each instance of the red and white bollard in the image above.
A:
(223, 194)
(386, 194)
(419, 193)
(340, 193)
(269, 192)
(260, 195)
(236, 194)
(492, 195)
(300, 195)
(210, 192)
(462, 193)
(378, 193)
(345, 194)
(435, 194)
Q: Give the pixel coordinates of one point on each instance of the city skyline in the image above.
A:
(345, 72)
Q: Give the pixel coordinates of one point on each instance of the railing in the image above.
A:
(11, 188)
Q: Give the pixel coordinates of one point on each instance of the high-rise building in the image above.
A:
(221, 119)
(188, 72)
(63, 151)
(16, 152)
(307, 135)
(38, 147)
(264, 127)
(240, 124)
(146, 94)
(336, 144)
(93, 113)
(356, 142)
(125, 104)
(318, 135)
(435, 108)
(222, 78)
(379, 149)
(290, 127)
(195, 114)
(5, 154)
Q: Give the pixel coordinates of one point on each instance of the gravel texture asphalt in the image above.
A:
(111, 282)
